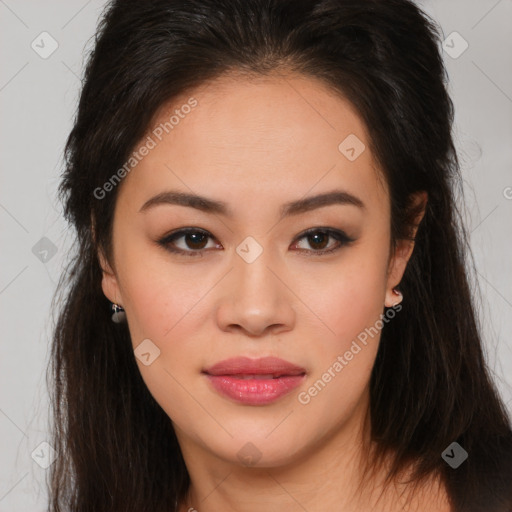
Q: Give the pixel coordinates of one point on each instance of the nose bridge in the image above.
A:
(254, 282)
(256, 298)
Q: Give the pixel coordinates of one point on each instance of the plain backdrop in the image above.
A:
(37, 103)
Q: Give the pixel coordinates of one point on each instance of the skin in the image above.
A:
(256, 144)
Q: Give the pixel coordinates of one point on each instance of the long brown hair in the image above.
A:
(430, 385)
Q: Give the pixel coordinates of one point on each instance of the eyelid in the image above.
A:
(338, 234)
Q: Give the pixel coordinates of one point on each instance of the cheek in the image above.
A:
(351, 306)
(353, 298)
(163, 305)
(158, 294)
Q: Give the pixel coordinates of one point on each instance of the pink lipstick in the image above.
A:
(254, 381)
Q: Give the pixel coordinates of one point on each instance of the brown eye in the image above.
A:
(194, 241)
(318, 239)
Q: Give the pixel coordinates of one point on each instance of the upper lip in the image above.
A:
(247, 366)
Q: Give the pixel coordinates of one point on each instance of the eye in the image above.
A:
(318, 239)
(195, 241)
(193, 238)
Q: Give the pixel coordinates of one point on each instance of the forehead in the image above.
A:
(274, 135)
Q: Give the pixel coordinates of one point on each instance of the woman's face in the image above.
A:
(256, 286)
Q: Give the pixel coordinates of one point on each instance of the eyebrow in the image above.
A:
(218, 207)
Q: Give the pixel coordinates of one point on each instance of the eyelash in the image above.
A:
(342, 238)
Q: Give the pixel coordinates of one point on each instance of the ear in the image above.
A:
(109, 282)
(403, 251)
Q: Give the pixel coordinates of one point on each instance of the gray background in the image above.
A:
(37, 104)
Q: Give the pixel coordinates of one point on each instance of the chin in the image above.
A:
(260, 452)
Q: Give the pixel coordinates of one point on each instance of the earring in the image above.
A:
(118, 315)
(398, 294)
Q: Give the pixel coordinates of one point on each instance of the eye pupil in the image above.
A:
(197, 238)
(319, 235)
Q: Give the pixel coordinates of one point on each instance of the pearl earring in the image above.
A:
(118, 314)
(399, 295)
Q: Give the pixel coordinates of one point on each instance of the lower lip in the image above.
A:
(254, 391)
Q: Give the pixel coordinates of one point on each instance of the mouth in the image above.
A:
(254, 381)
(268, 376)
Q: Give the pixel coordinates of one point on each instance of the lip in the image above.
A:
(254, 381)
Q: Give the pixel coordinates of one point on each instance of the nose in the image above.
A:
(256, 299)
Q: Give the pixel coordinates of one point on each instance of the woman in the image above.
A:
(268, 308)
